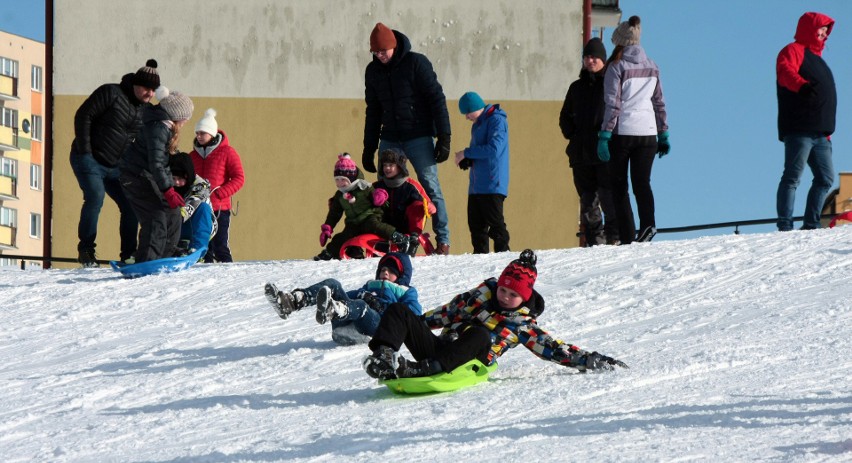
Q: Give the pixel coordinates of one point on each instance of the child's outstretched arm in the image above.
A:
(545, 346)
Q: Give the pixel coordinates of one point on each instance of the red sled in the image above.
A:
(847, 216)
(373, 246)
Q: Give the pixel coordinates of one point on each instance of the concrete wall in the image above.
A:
(286, 78)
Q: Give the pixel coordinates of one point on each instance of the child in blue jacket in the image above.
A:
(199, 223)
(354, 314)
(487, 157)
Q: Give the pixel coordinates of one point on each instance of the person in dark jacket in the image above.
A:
(147, 180)
(487, 157)
(406, 208)
(406, 107)
(354, 314)
(807, 108)
(104, 126)
(483, 324)
(580, 120)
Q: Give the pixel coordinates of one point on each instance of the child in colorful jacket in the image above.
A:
(480, 324)
(361, 204)
(354, 314)
(199, 224)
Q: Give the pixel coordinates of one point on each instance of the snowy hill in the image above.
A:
(739, 348)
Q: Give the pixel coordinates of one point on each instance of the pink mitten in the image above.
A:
(380, 195)
(325, 233)
(174, 198)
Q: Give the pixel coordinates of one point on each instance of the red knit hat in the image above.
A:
(345, 167)
(382, 38)
(520, 275)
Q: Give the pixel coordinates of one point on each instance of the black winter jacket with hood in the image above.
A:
(148, 155)
(581, 118)
(106, 123)
(404, 98)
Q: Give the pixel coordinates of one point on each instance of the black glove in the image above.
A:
(596, 361)
(372, 301)
(442, 148)
(367, 160)
(807, 90)
(464, 164)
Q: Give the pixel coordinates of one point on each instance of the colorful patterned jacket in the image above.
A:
(508, 328)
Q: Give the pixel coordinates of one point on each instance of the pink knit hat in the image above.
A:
(345, 167)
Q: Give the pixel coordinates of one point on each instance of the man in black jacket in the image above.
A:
(406, 107)
(580, 121)
(104, 125)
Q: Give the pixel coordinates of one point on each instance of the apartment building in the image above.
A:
(22, 101)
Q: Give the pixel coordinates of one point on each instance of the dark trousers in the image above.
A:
(218, 250)
(97, 181)
(159, 225)
(636, 154)
(594, 187)
(485, 220)
(399, 326)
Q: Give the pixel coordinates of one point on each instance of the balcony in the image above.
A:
(8, 88)
(7, 238)
(9, 139)
(8, 188)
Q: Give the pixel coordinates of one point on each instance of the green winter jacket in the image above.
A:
(357, 211)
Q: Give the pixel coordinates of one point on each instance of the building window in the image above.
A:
(35, 225)
(36, 128)
(8, 217)
(8, 67)
(35, 176)
(37, 81)
(8, 167)
(9, 118)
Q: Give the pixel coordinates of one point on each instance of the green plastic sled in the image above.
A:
(472, 372)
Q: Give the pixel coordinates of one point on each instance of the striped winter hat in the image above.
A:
(345, 167)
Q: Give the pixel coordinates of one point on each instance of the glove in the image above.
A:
(367, 160)
(603, 145)
(442, 148)
(380, 195)
(374, 302)
(807, 90)
(325, 233)
(596, 361)
(464, 164)
(663, 145)
(174, 198)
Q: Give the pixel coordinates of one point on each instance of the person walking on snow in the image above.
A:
(807, 108)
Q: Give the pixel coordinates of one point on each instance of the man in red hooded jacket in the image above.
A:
(807, 107)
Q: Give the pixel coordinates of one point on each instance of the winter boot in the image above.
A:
(413, 244)
(324, 255)
(328, 308)
(381, 364)
(284, 303)
(412, 369)
(87, 258)
(401, 242)
(646, 235)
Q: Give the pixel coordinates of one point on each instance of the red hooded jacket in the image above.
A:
(222, 168)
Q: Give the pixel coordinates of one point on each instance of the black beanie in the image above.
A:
(181, 166)
(595, 47)
(147, 76)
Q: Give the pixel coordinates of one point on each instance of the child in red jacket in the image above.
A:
(215, 160)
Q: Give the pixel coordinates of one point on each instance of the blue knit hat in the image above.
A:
(470, 102)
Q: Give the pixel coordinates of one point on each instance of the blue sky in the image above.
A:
(717, 64)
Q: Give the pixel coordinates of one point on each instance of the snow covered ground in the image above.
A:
(739, 348)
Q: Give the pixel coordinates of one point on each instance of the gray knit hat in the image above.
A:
(178, 106)
(628, 32)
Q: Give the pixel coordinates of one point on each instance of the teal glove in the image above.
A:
(663, 145)
(603, 145)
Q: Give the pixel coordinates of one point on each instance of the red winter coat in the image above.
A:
(222, 168)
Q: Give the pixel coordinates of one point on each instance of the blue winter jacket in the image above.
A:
(489, 153)
(389, 292)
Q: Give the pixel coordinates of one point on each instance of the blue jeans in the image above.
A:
(96, 180)
(421, 153)
(361, 316)
(815, 151)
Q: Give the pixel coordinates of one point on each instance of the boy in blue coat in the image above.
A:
(199, 223)
(487, 157)
(354, 314)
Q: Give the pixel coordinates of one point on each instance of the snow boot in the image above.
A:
(381, 364)
(401, 242)
(328, 308)
(87, 258)
(647, 234)
(412, 369)
(413, 244)
(324, 255)
(284, 303)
